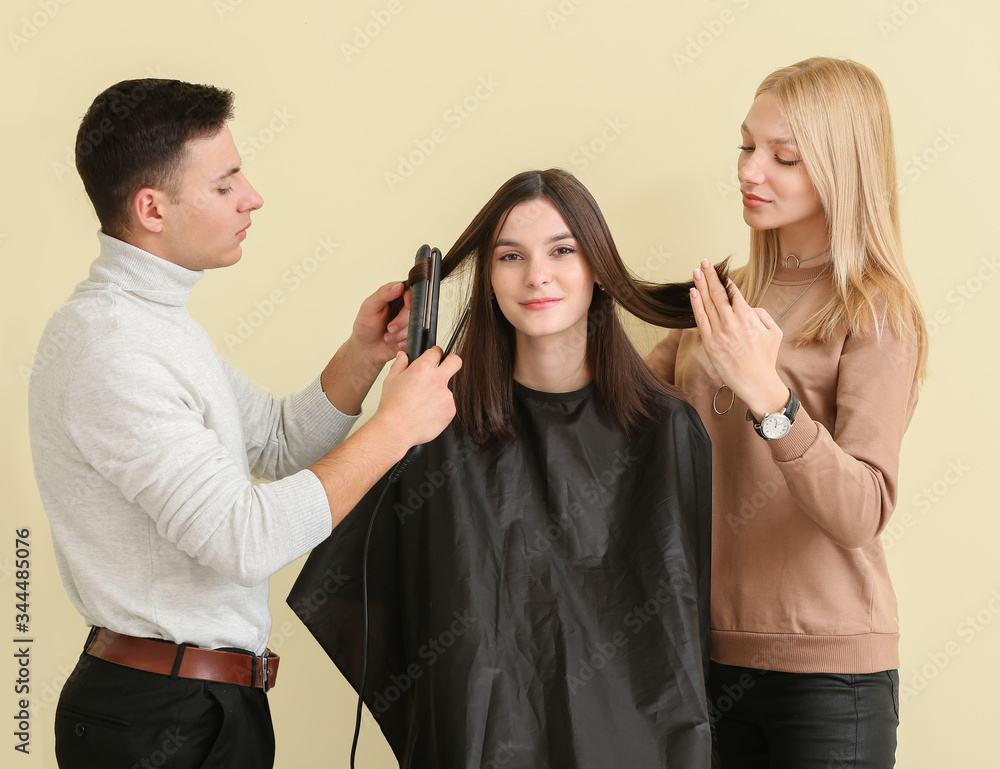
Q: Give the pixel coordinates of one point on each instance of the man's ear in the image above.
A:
(148, 208)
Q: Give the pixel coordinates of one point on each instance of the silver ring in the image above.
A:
(732, 400)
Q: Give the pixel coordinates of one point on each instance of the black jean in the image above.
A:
(115, 717)
(768, 720)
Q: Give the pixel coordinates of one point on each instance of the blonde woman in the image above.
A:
(806, 377)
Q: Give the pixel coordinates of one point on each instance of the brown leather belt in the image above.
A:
(183, 661)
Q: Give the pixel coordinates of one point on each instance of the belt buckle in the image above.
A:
(266, 673)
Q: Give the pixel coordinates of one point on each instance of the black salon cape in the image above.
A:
(538, 604)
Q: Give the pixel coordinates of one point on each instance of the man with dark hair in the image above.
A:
(145, 442)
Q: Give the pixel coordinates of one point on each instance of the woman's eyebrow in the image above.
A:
(772, 140)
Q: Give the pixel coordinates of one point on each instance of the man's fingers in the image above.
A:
(399, 363)
(399, 328)
(383, 295)
(450, 364)
(390, 291)
(434, 356)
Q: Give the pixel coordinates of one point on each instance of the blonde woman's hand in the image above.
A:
(741, 342)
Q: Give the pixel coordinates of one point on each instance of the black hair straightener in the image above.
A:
(425, 283)
(425, 280)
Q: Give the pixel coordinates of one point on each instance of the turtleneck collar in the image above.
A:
(141, 273)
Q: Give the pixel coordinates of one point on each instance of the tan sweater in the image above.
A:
(799, 578)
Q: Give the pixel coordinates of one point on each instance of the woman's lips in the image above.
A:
(752, 201)
(540, 304)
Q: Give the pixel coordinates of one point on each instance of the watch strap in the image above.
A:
(793, 406)
(790, 410)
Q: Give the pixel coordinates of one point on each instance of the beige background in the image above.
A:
(642, 100)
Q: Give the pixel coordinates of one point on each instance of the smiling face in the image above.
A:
(543, 283)
(777, 191)
(204, 221)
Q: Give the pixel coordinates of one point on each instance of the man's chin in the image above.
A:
(229, 260)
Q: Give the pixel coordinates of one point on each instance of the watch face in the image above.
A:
(775, 426)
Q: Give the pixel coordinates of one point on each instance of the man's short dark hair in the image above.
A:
(134, 136)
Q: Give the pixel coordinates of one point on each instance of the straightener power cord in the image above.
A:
(425, 279)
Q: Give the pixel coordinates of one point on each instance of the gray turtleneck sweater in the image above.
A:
(144, 441)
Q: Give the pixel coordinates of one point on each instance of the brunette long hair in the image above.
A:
(628, 388)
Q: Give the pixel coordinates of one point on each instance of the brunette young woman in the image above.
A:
(539, 576)
(806, 375)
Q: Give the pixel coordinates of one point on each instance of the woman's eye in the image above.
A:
(787, 162)
(745, 148)
(563, 250)
(509, 257)
(225, 190)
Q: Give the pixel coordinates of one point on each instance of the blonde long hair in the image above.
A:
(838, 115)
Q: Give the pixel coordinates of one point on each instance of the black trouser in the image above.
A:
(768, 720)
(114, 717)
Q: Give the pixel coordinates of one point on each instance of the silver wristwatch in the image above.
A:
(775, 426)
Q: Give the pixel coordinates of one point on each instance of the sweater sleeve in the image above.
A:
(847, 481)
(663, 357)
(285, 435)
(155, 436)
